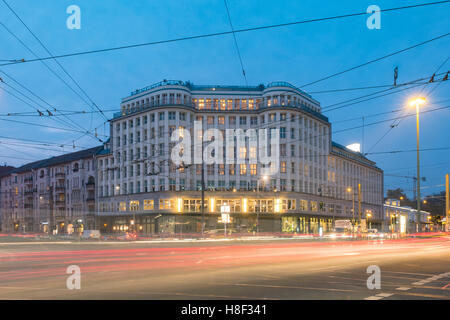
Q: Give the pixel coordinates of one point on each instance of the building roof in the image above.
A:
(5, 170)
(353, 155)
(193, 87)
(83, 154)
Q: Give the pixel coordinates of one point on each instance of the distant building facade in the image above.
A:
(52, 194)
(404, 219)
(4, 170)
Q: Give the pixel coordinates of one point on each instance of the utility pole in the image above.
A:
(359, 204)
(418, 170)
(353, 213)
(203, 191)
(447, 204)
(52, 213)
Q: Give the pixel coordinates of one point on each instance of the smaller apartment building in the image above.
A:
(54, 195)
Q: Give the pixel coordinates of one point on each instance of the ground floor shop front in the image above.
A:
(216, 223)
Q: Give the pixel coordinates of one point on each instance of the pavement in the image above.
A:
(413, 268)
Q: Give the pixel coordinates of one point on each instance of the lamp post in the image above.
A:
(349, 189)
(264, 178)
(368, 216)
(417, 102)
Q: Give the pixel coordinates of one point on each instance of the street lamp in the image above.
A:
(368, 216)
(417, 102)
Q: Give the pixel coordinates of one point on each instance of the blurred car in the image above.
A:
(91, 234)
(130, 236)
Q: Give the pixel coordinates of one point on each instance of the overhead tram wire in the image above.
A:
(375, 60)
(235, 42)
(40, 142)
(18, 151)
(48, 67)
(44, 109)
(376, 97)
(235, 31)
(57, 62)
(396, 123)
(40, 113)
(166, 154)
(347, 128)
(411, 150)
(64, 112)
(439, 68)
(44, 126)
(72, 123)
(413, 83)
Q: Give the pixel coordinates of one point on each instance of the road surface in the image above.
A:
(277, 269)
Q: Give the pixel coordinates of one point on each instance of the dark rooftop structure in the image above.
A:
(5, 170)
(53, 161)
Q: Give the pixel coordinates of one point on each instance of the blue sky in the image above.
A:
(297, 54)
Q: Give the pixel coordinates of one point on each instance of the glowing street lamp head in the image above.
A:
(418, 101)
(349, 189)
(265, 178)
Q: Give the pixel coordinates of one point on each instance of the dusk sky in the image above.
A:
(297, 54)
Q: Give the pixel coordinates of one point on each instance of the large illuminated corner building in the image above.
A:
(139, 188)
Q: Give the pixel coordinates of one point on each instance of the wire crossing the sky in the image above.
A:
(225, 33)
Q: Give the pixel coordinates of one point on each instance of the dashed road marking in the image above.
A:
(379, 296)
(403, 288)
(373, 298)
(385, 295)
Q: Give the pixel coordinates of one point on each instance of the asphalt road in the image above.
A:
(283, 269)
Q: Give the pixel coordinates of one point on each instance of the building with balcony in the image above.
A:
(50, 194)
(141, 188)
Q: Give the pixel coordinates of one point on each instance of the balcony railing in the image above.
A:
(60, 189)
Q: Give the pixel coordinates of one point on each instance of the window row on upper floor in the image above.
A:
(203, 103)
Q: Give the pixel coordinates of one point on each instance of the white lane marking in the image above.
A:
(379, 296)
(385, 295)
(403, 288)
(373, 298)
(28, 243)
(431, 279)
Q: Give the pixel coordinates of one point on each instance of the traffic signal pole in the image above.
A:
(447, 204)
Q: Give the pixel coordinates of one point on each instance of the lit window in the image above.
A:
(283, 166)
(134, 205)
(201, 103)
(149, 204)
(166, 204)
